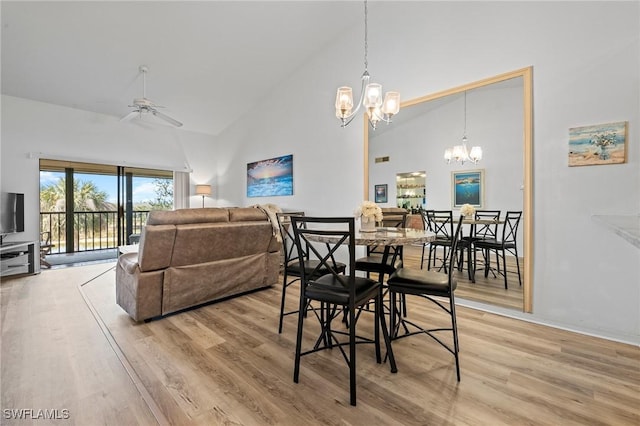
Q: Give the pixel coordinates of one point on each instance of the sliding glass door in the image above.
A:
(86, 206)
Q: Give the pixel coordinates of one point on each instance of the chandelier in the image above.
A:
(370, 96)
(460, 153)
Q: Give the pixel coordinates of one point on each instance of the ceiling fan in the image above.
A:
(145, 106)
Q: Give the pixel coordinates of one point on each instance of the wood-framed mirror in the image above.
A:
(497, 114)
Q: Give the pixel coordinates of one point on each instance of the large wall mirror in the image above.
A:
(494, 113)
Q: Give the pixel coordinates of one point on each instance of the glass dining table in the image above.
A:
(384, 236)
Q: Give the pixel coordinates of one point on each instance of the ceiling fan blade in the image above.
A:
(130, 116)
(166, 118)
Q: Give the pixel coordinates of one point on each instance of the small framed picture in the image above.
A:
(381, 193)
(468, 188)
(598, 144)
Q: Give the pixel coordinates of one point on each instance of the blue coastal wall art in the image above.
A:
(468, 188)
(272, 177)
(598, 144)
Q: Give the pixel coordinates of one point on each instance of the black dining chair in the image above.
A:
(434, 287)
(373, 261)
(291, 271)
(507, 244)
(478, 232)
(336, 292)
(440, 222)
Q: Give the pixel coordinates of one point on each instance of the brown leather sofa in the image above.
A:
(192, 256)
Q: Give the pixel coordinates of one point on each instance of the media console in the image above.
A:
(18, 258)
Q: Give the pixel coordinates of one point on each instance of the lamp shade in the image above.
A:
(203, 189)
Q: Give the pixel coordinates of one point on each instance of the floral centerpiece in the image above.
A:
(467, 210)
(369, 213)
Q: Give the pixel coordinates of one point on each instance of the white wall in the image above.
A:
(31, 130)
(585, 58)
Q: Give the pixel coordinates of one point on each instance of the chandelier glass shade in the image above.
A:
(370, 96)
(460, 153)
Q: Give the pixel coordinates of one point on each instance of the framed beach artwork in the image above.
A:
(381, 193)
(598, 144)
(272, 177)
(467, 188)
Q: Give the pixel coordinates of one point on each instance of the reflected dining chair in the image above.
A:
(292, 265)
(441, 223)
(336, 292)
(478, 232)
(434, 287)
(507, 244)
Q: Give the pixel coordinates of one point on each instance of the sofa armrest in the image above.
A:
(129, 262)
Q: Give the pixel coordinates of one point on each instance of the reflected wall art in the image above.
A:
(468, 188)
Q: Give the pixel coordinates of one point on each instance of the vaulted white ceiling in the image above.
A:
(209, 61)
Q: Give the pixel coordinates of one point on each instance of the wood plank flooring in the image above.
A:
(488, 290)
(225, 363)
(55, 357)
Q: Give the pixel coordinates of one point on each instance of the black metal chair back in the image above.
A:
(427, 216)
(508, 243)
(442, 222)
(337, 290)
(487, 230)
(286, 231)
(510, 229)
(290, 262)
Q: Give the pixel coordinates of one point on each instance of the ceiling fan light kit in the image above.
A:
(145, 106)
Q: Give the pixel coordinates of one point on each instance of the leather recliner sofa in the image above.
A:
(189, 257)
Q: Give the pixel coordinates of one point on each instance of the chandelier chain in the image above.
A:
(465, 114)
(366, 42)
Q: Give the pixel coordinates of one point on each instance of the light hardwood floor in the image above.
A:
(225, 363)
(488, 290)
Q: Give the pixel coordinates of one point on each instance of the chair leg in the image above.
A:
(504, 265)
(422, 257)
(296, 368)
(454, 326)
(284, 293)
(471, 266)
(352, 354)
(382, 322)
(518, 267)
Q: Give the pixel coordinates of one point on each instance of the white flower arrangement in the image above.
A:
(369, 210)
(467, 210)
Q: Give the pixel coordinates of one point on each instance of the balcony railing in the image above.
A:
(92, 230)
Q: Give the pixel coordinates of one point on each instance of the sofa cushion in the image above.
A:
(209, 242)
(181, 216)
(246, 214)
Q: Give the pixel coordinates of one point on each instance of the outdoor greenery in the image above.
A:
(86, 197)
(94, 219)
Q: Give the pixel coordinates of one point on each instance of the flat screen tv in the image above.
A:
(11, 213)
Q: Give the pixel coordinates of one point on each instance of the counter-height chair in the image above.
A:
(372, 262)
(507, 244)
(291, 270)
(441, 223)
(336, 292)
(478, 232)
(433, 286)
